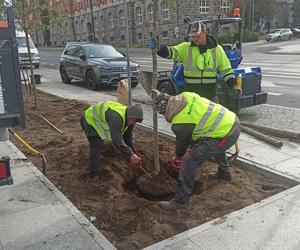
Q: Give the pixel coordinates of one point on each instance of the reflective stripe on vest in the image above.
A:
(194, 69)
(95, 117)
(103, 132)
(210, 119)
(199, 80)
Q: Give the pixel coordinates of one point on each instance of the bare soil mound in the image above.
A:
(125, 204)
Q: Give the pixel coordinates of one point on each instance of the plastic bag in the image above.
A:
(122, 92)
(177, 75)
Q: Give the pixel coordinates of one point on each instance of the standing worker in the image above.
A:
(209, 129)
(114, 122)
(201, 58)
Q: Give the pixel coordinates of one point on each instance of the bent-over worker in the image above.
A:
(114, 122)
(207, 128)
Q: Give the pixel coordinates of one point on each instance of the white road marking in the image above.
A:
(273, 93)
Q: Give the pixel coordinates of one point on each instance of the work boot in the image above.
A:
(224, 175)
(172, 205)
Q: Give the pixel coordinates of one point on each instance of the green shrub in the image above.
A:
(249, 36)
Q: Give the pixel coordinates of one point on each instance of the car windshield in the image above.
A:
(22, 42)
(102, 51)
(275, 31)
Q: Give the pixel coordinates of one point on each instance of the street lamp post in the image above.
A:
(92, 21)
(252, 15)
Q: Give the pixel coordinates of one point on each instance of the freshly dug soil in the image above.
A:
(125, 204)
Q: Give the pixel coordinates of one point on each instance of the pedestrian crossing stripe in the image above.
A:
(275, 94)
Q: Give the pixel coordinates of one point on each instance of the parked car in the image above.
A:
(296, 32)
(279, 34)
(97, 64)
(23, 51)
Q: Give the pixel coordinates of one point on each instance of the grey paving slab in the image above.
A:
(269, 224)
(35, 225)
(19, 197)
(9, 149)
(270, 227)
(293, 198)
(20, 173)
(290, 167)
(68, 241)
(77, 215)
(264, 156)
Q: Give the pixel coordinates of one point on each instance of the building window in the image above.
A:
(140, 36)
(224, 6)
(139, 15)
(165, 10)
(204, 6)
(121, 18)
(101, 24)
(81, 26)
(111, 20)
(165, 34)
(150, 12)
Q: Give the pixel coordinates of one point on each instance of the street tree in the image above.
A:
(34, 15)
(296, 12)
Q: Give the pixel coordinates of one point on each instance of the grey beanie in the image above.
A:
(135, 111)
(161, 100)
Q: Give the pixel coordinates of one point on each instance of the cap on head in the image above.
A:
(135, 111)
(160, 100)
(197, 28)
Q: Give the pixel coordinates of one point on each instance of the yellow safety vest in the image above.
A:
(95, 117)
(210, 119)
(202, 68)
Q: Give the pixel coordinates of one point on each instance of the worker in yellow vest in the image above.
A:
(206, 128)
(110, 121)
(202, 58)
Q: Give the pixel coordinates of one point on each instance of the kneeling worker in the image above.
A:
(114, 122)
(209, 129)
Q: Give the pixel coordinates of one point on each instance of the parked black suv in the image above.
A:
(97, 64)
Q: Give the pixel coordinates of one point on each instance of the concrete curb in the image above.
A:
(79, 217)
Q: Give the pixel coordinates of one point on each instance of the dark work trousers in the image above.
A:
(200, 153)
(96, 145)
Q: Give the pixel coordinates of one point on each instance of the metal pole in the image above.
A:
(252, 15)
(127, 52)
(93, 25)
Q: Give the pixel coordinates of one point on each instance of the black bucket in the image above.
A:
(37, 79)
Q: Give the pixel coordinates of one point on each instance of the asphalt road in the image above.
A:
(280, 71)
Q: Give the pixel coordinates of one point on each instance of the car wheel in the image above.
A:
(278, 38)
(167, 87)
(290, 37)
(91, 81)
(37, 65)
(64, 77)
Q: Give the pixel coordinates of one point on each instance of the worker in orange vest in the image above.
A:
(236, 12)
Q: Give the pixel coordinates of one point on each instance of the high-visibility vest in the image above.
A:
(202, 68)
(211, 120)
(95, 117)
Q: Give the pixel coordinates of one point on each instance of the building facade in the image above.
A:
(109, 19)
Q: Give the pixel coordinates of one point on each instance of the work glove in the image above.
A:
(135, 161)
(176, 162)
(231, 83)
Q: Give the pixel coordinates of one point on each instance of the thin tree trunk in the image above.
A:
(29, 53)
(154, 82)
